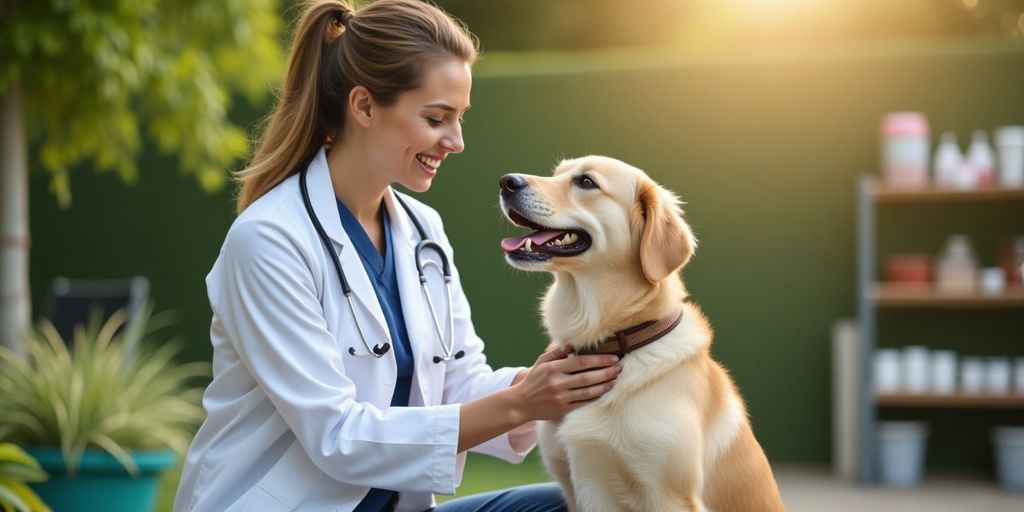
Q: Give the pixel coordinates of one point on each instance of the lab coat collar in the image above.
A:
(402, 228)
(321, 194)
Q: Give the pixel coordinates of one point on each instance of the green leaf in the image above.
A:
(10, 498)
(26, 496)
(96, 75)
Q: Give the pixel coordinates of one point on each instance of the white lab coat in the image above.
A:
(294, 422)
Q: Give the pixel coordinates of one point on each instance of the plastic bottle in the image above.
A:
(947, 162)
(981, 160)
(905, 149)
(956, 270)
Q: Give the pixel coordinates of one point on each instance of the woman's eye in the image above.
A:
(585, 181)
(434, 122)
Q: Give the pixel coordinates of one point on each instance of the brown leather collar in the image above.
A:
(628, 340)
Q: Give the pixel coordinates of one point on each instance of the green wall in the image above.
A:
(765, 150)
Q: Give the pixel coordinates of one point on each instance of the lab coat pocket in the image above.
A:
(259, 500)
(291, 479)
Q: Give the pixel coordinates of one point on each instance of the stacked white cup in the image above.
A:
(1010, 146)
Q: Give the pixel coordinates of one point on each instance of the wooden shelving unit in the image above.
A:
(874, 296)
(902, 296)
(883, 194)
(955, 400)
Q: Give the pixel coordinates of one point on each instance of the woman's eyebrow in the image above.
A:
(444, 106)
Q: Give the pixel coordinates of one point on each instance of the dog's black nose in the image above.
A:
(511, 183)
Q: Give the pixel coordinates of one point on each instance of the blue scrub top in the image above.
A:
(381, 271)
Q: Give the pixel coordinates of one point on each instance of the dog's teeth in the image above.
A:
(529, 245)
(569, 238)
(554, 242)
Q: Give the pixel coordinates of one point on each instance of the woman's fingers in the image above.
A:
(554, 354)
(593, 377)
(582, 396)
(577, 364)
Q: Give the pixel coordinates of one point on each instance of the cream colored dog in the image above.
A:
(673, 433)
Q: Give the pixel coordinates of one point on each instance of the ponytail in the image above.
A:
(383, 46)
(294, 134)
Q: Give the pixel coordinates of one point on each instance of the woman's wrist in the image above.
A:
(491, 416)
(516, 405)
(520, 376)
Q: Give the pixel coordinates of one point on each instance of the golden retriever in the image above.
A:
(673, 433)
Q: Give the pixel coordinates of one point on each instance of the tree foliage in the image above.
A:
(93, 74)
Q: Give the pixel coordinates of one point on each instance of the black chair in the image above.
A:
(73, 301)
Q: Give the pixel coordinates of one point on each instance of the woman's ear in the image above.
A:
(360, 104)
(667, 241)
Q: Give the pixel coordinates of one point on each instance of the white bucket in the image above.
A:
(1009, 445)
(901, 449)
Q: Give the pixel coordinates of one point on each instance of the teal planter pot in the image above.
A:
(102, 483)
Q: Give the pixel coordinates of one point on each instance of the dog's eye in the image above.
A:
(584, 181)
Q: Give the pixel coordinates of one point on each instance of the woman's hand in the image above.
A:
(556, 384)
(559, 382)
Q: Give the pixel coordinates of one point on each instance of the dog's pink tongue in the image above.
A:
(512, 244)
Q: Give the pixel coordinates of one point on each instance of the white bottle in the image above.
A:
(981, 160)
(1010, 143)
(947, 161)
(956, 270)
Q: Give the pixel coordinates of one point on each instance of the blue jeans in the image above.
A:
(526, 498)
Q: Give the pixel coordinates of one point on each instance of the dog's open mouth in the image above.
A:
(545, 242)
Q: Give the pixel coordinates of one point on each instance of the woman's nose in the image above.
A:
(453, 142)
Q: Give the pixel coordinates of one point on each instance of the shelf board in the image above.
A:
(902, 296)
(884, 194)
(955, 400)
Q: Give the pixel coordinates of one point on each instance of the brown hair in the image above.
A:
(384, 46)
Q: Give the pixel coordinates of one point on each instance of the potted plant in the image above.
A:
(104, 417)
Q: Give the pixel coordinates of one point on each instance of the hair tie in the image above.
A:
(339, 22)
(343, 17)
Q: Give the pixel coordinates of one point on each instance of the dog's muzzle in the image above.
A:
(519, 204)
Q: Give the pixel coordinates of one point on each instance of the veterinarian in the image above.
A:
(346, 371)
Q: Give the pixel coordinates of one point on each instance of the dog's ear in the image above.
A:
(667, 241)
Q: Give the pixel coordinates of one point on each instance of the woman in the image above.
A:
(322, 401)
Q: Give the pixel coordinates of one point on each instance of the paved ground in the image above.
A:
(806, 490)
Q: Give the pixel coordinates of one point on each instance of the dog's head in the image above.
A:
(595, 213)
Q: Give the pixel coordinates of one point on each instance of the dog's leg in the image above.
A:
(556, 461)
(669, 472)
(598, 486)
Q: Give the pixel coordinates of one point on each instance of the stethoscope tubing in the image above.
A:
(378, 351)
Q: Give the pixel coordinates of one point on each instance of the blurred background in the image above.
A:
(765, 116)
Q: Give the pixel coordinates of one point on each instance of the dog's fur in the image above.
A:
(673, 432)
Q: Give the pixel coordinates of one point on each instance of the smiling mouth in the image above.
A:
(545, 242)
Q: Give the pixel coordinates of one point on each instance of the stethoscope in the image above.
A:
(378, 351)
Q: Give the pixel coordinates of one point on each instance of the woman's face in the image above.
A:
(424, 126)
